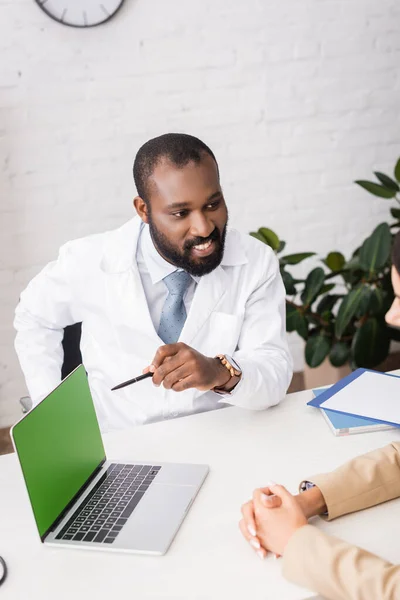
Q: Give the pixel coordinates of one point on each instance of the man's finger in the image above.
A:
(152, 367)
(170, 364)
(175, 376)
(162, 353)
(183, 384)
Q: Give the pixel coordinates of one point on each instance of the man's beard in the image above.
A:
(182, 258)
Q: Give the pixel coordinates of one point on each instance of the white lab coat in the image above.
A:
(238, 309)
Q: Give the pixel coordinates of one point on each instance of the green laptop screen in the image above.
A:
(59, 446)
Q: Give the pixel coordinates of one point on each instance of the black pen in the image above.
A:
(134, 380)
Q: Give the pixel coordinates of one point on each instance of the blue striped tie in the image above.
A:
(173, 314)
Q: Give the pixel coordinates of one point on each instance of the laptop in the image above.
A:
(82, 500)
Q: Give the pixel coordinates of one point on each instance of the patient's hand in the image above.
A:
(310, 502)
(247, 524)
(275, 527)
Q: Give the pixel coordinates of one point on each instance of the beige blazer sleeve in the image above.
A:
(337, 570)
(365, 481)
(331, 567)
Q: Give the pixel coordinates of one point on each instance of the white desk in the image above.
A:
(208, 558)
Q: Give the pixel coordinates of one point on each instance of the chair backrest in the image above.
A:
(71, 345)
(72, 357)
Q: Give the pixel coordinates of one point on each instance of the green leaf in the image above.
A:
(258, 236)
(314, 282)
(353, 263)
(291, 317)
(288, 282)
(294, 259)
(397, 170)
(335, 261)
(380, 302)
(364, 302)
(270, 237)
(376, 189)
(353, 278)
(302, 328)
(327, 303)
(295, 321)
(281, 246)
(348, 309)
(388, 182)
(375, 251)
(395, 212)
(317, 349)
(326, 288)
(370, 344)
(327, 315)
(339, 354)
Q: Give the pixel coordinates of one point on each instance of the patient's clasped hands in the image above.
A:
(274, 515)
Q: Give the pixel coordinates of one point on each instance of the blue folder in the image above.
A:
(334, 389)
(344, 424)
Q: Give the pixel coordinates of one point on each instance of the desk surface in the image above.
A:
(208, 558)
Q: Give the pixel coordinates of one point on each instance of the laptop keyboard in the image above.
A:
(107, 507)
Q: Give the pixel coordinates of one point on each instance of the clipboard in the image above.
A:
(342, 424)
(365, 393)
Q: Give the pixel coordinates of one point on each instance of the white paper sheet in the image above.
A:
(372, 395)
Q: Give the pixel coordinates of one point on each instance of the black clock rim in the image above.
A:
(42, 7)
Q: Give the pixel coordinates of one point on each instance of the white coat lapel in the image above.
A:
(209, 292)
(212, 287)
(124, 289)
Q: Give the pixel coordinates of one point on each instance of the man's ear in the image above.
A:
(141, 208)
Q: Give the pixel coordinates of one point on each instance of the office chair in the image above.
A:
(72, 357)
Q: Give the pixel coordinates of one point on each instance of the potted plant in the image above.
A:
(339, 308)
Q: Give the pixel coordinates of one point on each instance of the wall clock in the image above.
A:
(80, 13)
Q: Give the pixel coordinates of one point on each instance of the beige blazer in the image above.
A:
(331, 567)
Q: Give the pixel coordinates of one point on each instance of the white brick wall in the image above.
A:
(297, 99)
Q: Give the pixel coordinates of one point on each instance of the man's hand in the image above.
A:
(179, 367)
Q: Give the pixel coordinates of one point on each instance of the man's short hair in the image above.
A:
(178, 148)
(396, 252)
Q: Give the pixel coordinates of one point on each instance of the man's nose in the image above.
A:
(201, 226)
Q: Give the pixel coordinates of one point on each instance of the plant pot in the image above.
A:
(325, 374)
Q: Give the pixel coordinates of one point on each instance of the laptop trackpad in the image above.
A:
(155, 520)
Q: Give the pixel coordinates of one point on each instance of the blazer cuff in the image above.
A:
(332, 492)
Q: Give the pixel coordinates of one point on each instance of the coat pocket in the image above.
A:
(221, 334)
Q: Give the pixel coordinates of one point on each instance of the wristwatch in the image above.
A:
(233, 369)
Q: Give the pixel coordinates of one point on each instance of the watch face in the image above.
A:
(80, 13)
(233, 363)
